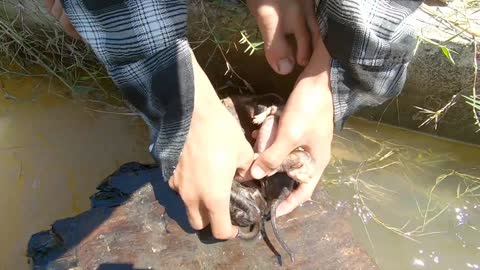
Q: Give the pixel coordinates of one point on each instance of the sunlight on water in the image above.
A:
(416, 197)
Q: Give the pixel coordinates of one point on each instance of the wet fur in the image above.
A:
(252, 204)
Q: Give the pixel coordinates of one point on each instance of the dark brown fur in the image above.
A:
(250, 205)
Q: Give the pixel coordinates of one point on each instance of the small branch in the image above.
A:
(229, 67)
(474, 88)
(436, 116)
(110, 112)
(252, 46)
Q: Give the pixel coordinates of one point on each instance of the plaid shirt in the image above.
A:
(144, 47)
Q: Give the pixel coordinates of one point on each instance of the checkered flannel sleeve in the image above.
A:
(143, 45)
(144, 48)
(371, 43)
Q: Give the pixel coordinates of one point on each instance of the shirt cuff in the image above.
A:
(356, 86)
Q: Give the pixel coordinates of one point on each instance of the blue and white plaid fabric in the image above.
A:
(371, 43)
(144, 47)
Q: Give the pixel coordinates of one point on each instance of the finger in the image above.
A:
(312, 22)
(49, 5)
(172, 184)
(255, 133)
(320, 158)
(303, 174)
(271, 158)
(302, 36)
(55, 8)
(219, 215)
(277, 49)
(196, 212)
(320, 154)
(68, 27)
(197, 215)
(302, 194)
(245, 161)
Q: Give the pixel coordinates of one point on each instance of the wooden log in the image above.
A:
(137, 222)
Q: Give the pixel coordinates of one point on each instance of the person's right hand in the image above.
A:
(278, 18)
(216, 151)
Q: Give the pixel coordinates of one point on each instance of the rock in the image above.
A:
(432, 79)
(137, 222)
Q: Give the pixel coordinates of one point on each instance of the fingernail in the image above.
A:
(257, 172)
(285, 66)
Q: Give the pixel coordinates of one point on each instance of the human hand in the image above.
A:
(215, 152)
(307, 122)
(55, 8)
(278, 18)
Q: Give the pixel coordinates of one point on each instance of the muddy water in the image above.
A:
(417, 198)
(53, 153)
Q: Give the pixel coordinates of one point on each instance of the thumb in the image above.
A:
(277, 49)
(244, 162)
(271, 159)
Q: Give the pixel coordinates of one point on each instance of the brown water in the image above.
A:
(54, 151)
(389, 175)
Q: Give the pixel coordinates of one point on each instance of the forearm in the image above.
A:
(144, 48)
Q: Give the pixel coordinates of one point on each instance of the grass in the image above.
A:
(219, 46)
(460, 23)
(226, 28)
(74, 64)
(387, 159)
(59, 56)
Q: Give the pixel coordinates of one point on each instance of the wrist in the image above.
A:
(207, 104)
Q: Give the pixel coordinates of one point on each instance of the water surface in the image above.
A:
(54, 151)
(416, 196)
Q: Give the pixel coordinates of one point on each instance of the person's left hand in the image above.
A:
(307, 122)
(278, 18)
(55, 8)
